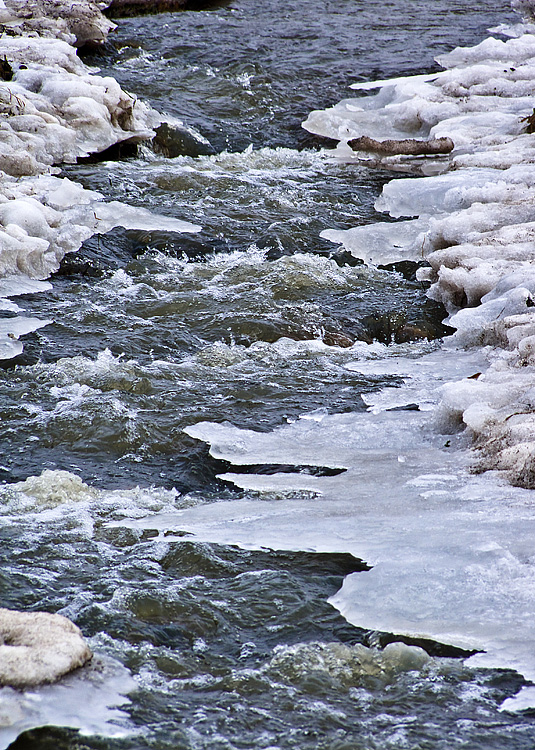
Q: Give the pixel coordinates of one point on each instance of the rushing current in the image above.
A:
(251, 321)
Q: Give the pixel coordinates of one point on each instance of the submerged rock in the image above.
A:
(118, 8)
(349, 666)
(38, 648)
(394, 327)
(335, 338)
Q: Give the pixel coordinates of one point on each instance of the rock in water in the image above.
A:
(176, 140)
(38, 647)
(137, 7)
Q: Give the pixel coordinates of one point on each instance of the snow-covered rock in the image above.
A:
(38, 647)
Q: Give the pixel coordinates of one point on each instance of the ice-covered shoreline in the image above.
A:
(472, 220)
(55, 109)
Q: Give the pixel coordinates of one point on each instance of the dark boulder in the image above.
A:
(174, 140)
(121, 8)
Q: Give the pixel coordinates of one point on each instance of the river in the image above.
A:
(252, 321)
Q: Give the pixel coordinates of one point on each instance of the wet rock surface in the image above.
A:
(121, 8)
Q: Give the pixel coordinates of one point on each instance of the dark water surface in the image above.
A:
(155, 331)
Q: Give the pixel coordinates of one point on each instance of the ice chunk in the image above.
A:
(113, 214)
(87, 700)
(441, 194)
(10, 331)
(79, 22)
(382, 243)
(57, 109)
(43, 218)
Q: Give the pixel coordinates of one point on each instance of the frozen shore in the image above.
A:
(55, 109)
(472, 219)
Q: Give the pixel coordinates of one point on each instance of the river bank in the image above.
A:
(474, 224)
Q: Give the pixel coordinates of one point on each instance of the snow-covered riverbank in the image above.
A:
(474, 225)
(55, 109)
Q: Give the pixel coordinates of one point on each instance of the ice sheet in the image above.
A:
(87, 700)
(479, 101)
(10, 331)
(451, 552)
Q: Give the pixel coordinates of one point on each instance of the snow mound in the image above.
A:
(38, 647)
(55, 109)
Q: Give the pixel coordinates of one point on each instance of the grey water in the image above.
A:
(155, 331)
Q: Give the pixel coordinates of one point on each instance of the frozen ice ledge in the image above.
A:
(53, 110)
(470, 214)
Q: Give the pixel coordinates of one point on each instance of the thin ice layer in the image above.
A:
(451, 552)
(11, 329)
(86, 700)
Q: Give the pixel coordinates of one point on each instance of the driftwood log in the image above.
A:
(406, 147)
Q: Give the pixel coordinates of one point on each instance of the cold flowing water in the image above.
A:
(250, 321)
